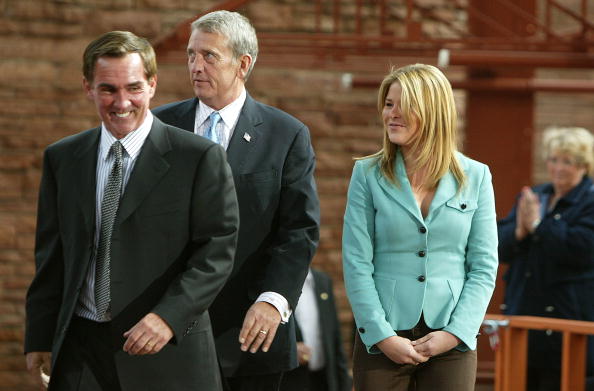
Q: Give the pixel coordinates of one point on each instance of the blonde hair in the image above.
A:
(427, 100)
(574, 141)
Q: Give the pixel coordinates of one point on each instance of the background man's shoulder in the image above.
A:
(279, 117)
(182, 140)
(174, 109)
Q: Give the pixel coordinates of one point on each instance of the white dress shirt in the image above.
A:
(307, 314)
(229, 116)
(132, 144)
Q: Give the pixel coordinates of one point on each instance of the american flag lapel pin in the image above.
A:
(247, 137)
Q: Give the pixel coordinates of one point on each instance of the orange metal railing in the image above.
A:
(511, 352)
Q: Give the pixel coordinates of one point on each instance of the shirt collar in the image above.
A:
(229, 114)
(309, 279)
(133, 141)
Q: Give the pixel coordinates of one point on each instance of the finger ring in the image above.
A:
(305, 357)
(149, 344)
(263, 332)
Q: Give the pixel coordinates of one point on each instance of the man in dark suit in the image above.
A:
(137, 227)
(272, 160)
(322, 363)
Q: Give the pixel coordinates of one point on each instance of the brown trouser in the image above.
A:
(449, 371)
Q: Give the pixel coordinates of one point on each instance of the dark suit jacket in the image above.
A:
(172, 250)
(551, 272)
(272, 160)
(336, 369)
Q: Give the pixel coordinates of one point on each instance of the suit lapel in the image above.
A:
(402, 193)
(446, 190)
(85, 175)
(148, 170)
(187, 115)
(245, 136)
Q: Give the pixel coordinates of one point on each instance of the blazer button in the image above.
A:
(421, 278)
(361, 330)
(421, 253)
(422, 230)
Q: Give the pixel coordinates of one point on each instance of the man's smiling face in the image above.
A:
(121, 92)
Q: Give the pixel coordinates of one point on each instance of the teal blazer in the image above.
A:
(398, 264)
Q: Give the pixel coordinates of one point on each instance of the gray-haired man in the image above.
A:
(272, 160)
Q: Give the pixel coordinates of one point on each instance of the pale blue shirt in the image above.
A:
(229, 116)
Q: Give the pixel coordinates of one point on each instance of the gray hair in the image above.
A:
(238, 30)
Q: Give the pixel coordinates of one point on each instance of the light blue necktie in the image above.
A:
(211, 132)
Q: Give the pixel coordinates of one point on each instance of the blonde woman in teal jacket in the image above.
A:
(419, 243)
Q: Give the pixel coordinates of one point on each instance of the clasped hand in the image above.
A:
(527, 213)
(404, 351)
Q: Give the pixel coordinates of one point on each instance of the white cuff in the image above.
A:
(279, 302)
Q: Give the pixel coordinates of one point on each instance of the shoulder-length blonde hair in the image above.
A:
(427, 100)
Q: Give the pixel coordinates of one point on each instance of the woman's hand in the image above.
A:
(401, 350)
(435, 343)
(527, 214)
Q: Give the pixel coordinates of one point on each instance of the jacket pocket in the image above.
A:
(257, 177)
(262, 188)
(162, 208)
(456, 289)
(463, 206)
(386, 290)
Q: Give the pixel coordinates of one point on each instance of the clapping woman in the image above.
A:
(548, 242)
